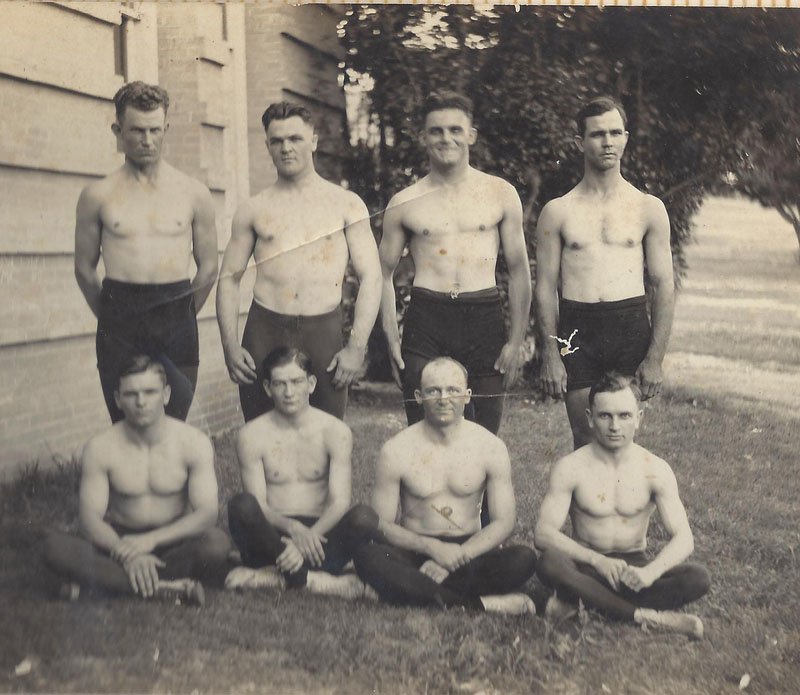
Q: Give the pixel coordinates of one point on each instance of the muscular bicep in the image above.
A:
(393, 239)
(202, 484)
(548, 250)
(340, 447)
(668, 502)
(240, 246)
(500, 489)
(360, 240)
(512, 235)
(557, 500)
(204, 231)
(386, 493)
(251, 467)
(88, 228)
(94, 488)
(658, 252)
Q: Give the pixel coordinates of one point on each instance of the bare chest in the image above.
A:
(161, 214)
(300, 236)
(444, 219)
(458, 475)
(154, 473)
(621, 226)
(605, 496)
(296, 458)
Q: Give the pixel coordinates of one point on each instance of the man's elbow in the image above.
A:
(542, 537)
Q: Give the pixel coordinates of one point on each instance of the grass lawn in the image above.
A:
(738, 478)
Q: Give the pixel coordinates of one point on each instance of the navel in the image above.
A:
(426, 232)
(482, 227)
(442, 252)
(574, 245)
(269, 237)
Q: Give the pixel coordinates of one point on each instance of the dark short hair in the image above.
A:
(142, 96)
(281, 356)
(446, 99)
(281, 110)
(139, 364)
(612, 382)
(597, 107)
(445, 360)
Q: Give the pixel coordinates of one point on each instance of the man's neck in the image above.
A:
(450, 176)
(292, 420)
(443, 434)
(610, 457)
(602, 182)
(147, 436)
(147, 173)
(302, 181)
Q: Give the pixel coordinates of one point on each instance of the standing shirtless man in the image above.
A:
(147, 501)
(592, 246)
(455, 220)
(147, 220)
(301, 231)
(610, 489)
(435, 473)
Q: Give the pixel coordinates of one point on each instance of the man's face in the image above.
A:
(443, 394)
(290, 388)
(614, 418)
(447, 137)
(603, 140)
(141, 134)
(291, 143)
(142, 398)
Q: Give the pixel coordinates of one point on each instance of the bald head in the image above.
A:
(444, 365)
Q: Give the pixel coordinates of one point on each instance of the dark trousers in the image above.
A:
(395, 575)
(260, 543)
(203, 557)
(573, 580)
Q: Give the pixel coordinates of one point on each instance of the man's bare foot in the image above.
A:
(510, 604)
(268, 577)
(345, 585)
(557, 610)
(670, 621)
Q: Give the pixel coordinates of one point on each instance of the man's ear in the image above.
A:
(312, 383)
(589, 418)
(314, 142)
(579, 142)
(469, 396)
(167, 394)
(117, 399)
(116, 129)
(267, 389)
(472, 136)
(418, 396)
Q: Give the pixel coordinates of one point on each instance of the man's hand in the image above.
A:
(142, 572)
(290, 560)
(636, 578)
(308, 542)
(132, 545)
(396, 363)
(434, 570)
(510, 362)
(553, 376)
(451, 556)
(649, 376)
(241, 365)
(347, 363)
(611, 569)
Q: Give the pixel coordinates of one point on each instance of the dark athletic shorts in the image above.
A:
(612, 336)
(319, 336)
(155, 319)
(469, 328)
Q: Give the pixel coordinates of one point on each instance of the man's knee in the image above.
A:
(243, 510)
(214, 545)
(362, 520)
(552, 565)
(696, 581)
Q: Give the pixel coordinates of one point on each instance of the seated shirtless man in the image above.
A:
(147, 501)
(437, 554)
(293, 514)
(610, 489)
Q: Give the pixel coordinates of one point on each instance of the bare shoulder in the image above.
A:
(495, 185)
(656, 469)
(102, 449)
(653, 207)
(332, 427)
(98, 191)
(555, 210)
(254, 431)
(194, 443)
(399, 449)
(409, 193)
(567, 471)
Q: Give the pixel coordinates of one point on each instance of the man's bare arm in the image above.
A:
(548, 268)
(512, 240)
(204, 246)
(364, 256)
(88, 230)
(241, 367)
(658, 255)
(675, 522)
(339, 440)
(93, 499)
(502, 505)
(391, 248)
